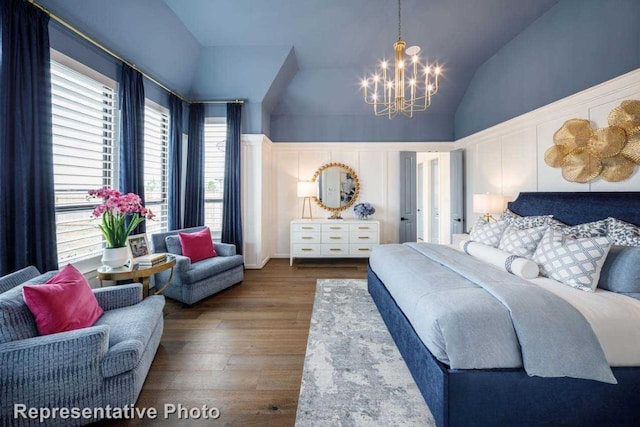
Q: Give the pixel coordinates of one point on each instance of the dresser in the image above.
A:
(325, 238)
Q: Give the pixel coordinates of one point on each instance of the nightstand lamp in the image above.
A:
(307, 190)
(487, 204)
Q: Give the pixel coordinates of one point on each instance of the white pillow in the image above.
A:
(574, 262)
(488, 233)
(521, 242)
(514, 264)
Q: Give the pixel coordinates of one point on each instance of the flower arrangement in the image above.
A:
(363, 210)
(114, 210)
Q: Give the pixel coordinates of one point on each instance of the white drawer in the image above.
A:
(360, 250)
(305, 237)
(364, 237)
(365, 227)
(330, 228)
(335, 237)
(305, 227)
(306, 250)
(337, 250)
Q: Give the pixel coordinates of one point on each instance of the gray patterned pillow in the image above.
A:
(523, 222)
(521, 242)
(488, 233)
(574, 262)
(589, 229)
(622, 233)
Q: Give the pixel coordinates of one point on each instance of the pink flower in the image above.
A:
(114, 209)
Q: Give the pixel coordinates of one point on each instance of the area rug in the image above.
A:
(353, 373)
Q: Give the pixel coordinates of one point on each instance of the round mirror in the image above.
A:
(338, 187)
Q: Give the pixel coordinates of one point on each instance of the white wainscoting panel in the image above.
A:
(509, 158)
(377, 166)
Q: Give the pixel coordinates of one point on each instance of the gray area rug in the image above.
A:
(353, 372)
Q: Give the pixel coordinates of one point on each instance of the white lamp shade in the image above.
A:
(307, 189)
(488, 203)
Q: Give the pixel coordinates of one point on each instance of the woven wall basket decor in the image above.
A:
(611, 153)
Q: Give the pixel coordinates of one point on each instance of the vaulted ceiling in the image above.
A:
(301, 60)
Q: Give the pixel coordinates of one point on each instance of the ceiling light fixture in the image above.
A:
(410, 77)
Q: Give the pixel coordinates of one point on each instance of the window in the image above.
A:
(215, 139)
(84, 108)
(156, 143)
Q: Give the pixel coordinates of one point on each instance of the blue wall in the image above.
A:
(357, 128)
(576, 45)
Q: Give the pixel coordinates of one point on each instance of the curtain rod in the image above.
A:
(118, 57)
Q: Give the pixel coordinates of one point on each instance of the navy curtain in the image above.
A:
(194, 190)
(27, 202)
(175, 163)
(131, 95)
(232, 209)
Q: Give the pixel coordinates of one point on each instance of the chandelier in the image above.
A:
(407, 88)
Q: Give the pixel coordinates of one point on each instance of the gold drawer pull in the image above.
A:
(364, 238)
(307, 228)
(335, 238)
(335, 250)
(335, 228)
(363, 228)
(363, 249)
(307, 250)
(307, 237)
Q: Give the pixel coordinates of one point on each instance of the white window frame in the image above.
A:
(214, 201)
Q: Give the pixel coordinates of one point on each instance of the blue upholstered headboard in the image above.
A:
(577, 208)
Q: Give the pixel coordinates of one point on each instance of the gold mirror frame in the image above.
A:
(336, 211)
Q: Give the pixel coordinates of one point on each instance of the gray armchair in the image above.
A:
(193, 281)
(105, 364)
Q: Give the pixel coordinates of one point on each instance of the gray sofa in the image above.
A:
(105, 364)
(194, 281)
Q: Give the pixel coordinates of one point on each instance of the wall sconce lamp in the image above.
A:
(307, 190)
(487, 204)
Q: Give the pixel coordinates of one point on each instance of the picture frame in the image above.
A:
(138, 246)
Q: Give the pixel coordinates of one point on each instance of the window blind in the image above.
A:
(215, 136)
(83, 125)
(156, 143)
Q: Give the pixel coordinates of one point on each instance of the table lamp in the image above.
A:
(487, 204)
(307, 190)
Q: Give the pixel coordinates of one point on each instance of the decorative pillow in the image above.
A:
(173, 245)
(574, 262)
(513, 264)
(488, 233)
(198, 245)
(523, 222)
(622, 233)
(589, 229)
(621, 271)
(521, 242)
(64, 303)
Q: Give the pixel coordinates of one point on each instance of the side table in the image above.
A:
(139, 274)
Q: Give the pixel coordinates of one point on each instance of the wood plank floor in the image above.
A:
(242, 350)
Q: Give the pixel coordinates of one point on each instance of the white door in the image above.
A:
(420, 194)
(434, 172)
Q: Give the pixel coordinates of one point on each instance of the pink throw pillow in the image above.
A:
(198, 245)
(64, 303)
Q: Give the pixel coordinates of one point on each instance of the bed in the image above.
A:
(510, 396)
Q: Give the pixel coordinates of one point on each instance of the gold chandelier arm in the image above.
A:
(405, 91)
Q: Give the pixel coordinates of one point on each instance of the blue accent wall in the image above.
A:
(350, 128)
(577, 44)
